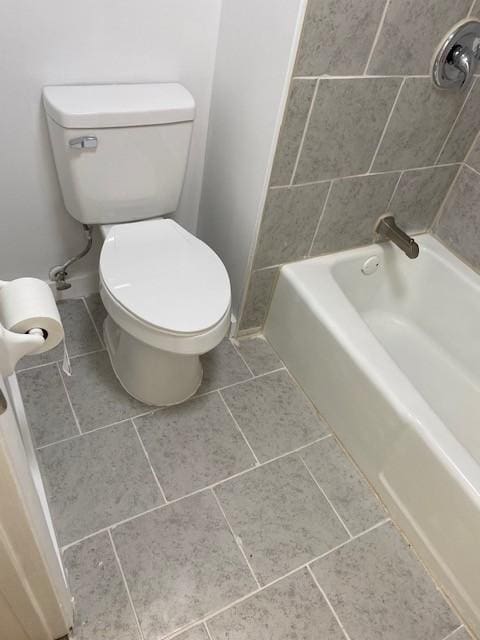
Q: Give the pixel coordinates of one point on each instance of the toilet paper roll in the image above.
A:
(28, 303)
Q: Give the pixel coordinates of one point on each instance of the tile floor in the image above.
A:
(234, 516)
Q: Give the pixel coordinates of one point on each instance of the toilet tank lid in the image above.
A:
(118, 105)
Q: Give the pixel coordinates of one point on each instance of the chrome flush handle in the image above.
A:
(84, 142)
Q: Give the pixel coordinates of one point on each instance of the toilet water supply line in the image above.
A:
(58, 274)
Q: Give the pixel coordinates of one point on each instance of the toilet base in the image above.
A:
(151, 375)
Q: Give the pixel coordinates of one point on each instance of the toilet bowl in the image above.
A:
(167, 295)
(121, 153)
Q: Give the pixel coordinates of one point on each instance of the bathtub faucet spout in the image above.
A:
(387, 229)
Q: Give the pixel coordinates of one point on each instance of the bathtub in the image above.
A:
(388, 349)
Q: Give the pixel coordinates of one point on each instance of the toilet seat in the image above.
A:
(165, 286)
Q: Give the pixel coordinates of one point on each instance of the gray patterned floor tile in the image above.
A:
(344, 486)
(222, 366)
(96, 480)
(259, 355)
(80, 335)
(193, 445)
(46, 405)
(97, 311)
(274, 414)
(281, 517)
(292, 609)
(97, 397)
(180, 563)
(102, 608)
(197, 633)
(381, 592)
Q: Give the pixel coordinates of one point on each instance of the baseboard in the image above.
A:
(82, 285)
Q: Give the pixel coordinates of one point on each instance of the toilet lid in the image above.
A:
(165, 276)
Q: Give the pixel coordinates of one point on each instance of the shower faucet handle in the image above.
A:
(457, 56)
(84, 142)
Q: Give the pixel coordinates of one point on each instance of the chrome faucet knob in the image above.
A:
(456, 59)
(464, 60)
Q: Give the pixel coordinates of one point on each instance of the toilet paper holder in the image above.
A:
(13, 346)
(23, 303)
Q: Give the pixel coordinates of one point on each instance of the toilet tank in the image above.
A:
(120, 150)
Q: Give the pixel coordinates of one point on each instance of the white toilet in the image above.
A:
(121, 152)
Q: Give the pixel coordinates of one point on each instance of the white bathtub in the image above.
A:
(392, 361)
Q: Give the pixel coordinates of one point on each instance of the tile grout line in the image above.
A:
(151, 410)
(46, 364)
(86, 433)
(469, 14)
(450, 635)
(320, 218)
(209, 633)
(238, 540)
(93, 322)
(125, 584)
(305, 129)
(380, 76)
(77, 423)
(322, 491)
(459, 115)
(394, 192)
(204, 619)
(257, 461)
(237, 349)
(438, 215)
(196, 492)
(476, 139)
(377, 37)
(387, 124)
(149, 461)
(329, 604)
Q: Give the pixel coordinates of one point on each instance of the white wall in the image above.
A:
(94, 41)
(257, 44)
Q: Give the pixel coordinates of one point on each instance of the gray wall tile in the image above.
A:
(420, 123)
(473, 158)
(353, 207)
(411, 32)
(294, 604)
(459, 224)
(330, 42)
(289, 222)
(347, 120)
(298, 105)
(419, 195)
(259, 294)
(466, 128)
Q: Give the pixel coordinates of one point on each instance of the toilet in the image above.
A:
(121, 153)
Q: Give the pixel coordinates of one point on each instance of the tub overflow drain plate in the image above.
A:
(370, 265)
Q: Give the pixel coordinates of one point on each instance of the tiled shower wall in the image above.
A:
(458, 225)
(364, 132)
